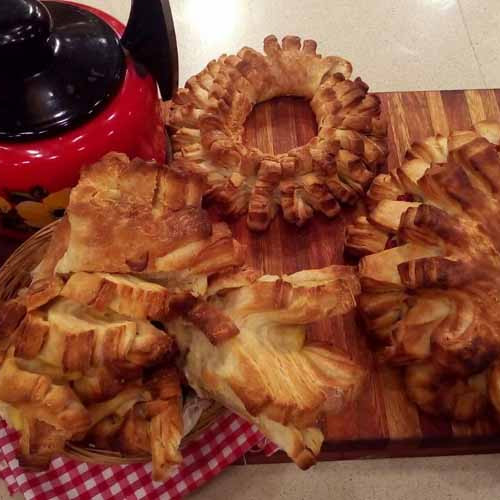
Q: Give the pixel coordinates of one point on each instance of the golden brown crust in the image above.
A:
(232, 278)
(432, 299)
(437, 393)
(41, 291)
(119, 201)
(45, 284)
(30, 336)
(46, 414)
(363, 238)
(69, 337)
(98, 384)
(57, 247)
(12, 313)
(144, 419)
(267, 373)
(39, 444)
(166, 427)
(124, 294)
(212, 322)
(336, 166)
(46, 401)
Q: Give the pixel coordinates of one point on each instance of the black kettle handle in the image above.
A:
(150, 39)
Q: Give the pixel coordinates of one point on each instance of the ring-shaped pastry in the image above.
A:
(335, 167)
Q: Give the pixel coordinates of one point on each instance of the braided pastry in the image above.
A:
(430, 271)
(268, 373)
(335, 167)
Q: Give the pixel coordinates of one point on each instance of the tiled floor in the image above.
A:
(448, 478)
(393, 45)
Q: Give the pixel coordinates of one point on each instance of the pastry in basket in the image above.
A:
(46, 413)
(78, 341)
(143, 418)
(334, 168)
(64, 356)
(430, 271)
(245, 346)
(138, 217)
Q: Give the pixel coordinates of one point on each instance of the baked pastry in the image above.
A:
(62, 355)
(430, 271)
(267, 372)
(143, 418)
(45, 284)
(81, 332)
(333, 168)
(122, 293)
(45, 413)
(157, 212)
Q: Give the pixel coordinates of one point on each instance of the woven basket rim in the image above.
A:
(14, 275)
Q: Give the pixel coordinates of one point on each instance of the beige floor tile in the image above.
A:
(447, 478)
(400, 45)
(403, 45)
(482, 18)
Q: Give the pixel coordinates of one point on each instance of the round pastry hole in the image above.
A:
(280, 124)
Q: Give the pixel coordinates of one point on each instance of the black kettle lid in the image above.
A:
(60, 65)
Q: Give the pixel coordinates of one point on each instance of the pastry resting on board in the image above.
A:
(334, 168)
(430, 270)
(267, 372)
(91, 364)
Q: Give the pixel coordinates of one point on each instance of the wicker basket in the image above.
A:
(16, 274)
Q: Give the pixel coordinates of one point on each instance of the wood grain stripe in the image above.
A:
(402, 421)
(399, 126)
(371, 410)
(392, 159)
(306, 126)
(418, 119)
(250, 130)
(436, 111)
(490, 104)
(284, 117)
(456, 110)
(475, 105)
(264, 132)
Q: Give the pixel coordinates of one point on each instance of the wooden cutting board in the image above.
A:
(382, 422)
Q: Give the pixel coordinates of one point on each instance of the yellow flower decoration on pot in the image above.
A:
(38, 214)
(5, 206)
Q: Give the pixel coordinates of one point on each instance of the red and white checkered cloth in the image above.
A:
(221, 444)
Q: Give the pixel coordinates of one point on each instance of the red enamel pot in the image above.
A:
(77, 85)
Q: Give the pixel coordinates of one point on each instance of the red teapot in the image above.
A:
(76, 84)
